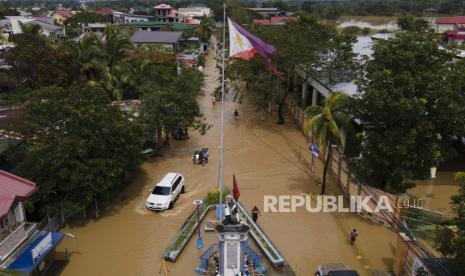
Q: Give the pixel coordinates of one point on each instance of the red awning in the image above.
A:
(13, 187)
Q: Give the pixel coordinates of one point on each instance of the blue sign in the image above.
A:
(314, 149)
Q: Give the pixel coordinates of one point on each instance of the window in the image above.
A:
(176, 183)
(161, 190)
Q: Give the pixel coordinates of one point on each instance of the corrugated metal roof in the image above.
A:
(11, 188)
(156, 37)
(46, 25)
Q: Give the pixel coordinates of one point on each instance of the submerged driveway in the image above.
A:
(267, 159)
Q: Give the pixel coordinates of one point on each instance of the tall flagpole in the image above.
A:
(220, 175)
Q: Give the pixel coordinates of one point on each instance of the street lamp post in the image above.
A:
(198, 203)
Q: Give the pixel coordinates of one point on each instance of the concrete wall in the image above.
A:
(440, 28)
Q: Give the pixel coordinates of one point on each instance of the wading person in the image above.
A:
(255, 213)
(213, 100)
(236, 114)
(353, 236)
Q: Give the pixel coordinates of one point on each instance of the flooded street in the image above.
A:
(376, 23)
(267, 159)
(390, 26)
(435, 193)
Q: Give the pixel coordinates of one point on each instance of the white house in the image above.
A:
(449, 23)
(11, 25)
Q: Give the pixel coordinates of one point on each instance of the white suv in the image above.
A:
(165, 192)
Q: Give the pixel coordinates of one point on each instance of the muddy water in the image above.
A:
(435, 194)
(376, 23)
(267, 159)
(390, 26)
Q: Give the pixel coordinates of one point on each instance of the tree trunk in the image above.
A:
(167, 138)
(325, 170)
(280, 114)
(281, 109)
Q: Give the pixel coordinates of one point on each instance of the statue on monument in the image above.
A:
(230, 212)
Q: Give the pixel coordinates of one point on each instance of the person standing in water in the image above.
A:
(236, 114)
(255, 213)
(353, 236)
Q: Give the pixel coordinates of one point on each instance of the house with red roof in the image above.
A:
(59, 16)
(453, 28)
(24, 246)
(448, 24)
(104, 11)
(13, 191)
(107, 12)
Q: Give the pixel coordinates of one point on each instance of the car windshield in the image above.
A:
(161, 190)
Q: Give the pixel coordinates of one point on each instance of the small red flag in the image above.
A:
(236, 192)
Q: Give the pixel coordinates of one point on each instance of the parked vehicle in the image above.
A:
(200, 156)
(165, 192)
(335, 269)
(147, 153)
(181, 134)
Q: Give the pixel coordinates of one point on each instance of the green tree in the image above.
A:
(73, 24)
(409, 23)
(38, 62)
(5, 11)
(450, 240)
(32, 29)
(411, 108)
(75, 144)
(116, 44)
(205, 29)
(173, 105)
(327, 123)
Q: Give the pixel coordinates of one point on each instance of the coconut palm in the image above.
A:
(205, 29)
(326, 123)
(111, 81)
(91, 56)
(133, 74)
(116, 44)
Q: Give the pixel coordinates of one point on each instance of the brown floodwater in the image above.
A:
(267, 159)
(435, 194)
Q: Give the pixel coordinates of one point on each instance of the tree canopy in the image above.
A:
(412, 109)
(74, 23)
(75, 144)
(39, 62)
(304, 45)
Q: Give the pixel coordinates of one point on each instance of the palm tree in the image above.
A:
(116, 44)
(111, 81)
(326, 123)
(133, 74)
(205, 29)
